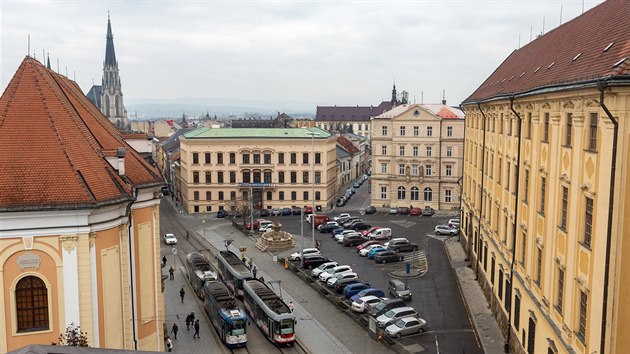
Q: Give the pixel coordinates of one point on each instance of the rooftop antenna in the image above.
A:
(74, 75)
(531, 29)
(560, 14)
(519, 41)
(443, 96)
(582, 6)
(421, 97)
(543, 31)
(57, 65)
(28, 53)
(66, 70)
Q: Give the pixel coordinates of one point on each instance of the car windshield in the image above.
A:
(400, 324)
(286, 326)
(400, 287)
(238, 327)
(379, 306)
(390, 313)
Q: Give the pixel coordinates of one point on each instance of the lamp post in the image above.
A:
(251, 209)
(302, 234)
(312, 134)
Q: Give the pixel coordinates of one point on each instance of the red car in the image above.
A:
(308, 210)
(415, 211)
(369, 231)
(256, 225)
(367, 243)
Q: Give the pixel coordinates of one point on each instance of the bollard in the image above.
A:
(408, 267)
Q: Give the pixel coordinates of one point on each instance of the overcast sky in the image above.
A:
(316, 52)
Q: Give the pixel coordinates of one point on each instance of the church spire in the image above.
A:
(394, 100)
(110, 54)
(48, 61)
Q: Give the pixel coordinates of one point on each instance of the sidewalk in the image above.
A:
(486, 326)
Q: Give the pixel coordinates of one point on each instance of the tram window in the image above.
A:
(238, 327)
(286, 326)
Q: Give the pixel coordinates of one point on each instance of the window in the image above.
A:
(195, 158)
(402, 193)
(280, 195)
(402, 130)
(491, 163)
(539, 256)
(383, 167)
(232, 195)
(318, 157)
(449, 170)
(195, 177)
(588, 222)
(220, 177)
(257, 159)
(500, 172)
(592, 132)
(449, 151)
(401, 169)
(517, 311)
(293, 177)
(510, 126)
(318, 195)
(293, 158)
(501, 124)
(208, 195)
(269, 195)
(427, 170)
(543, 183)
(531, 339)
(560, 291)
(500, 289)
(429, 151)
(401, 150)
(305, 195)
(207, 157)
(246, 177)
(568, 130)
(208, 177)
(383, 192)
(565, 206)
(447, 196)
(428, 194)
(220, 195)
(492, 266)
(257, 177)
(280, 177)
(305, 158)
(449, 131)
(582, 324)
(415, 193)
(267, 176)
(529, 125)
(545, 135)
(414, 169)
(31, 304)
(281, 158)
(526, 186)
(304, 177)
(245, 158)
(232, 176)
(384, 131)
(232, 158)
(507, 182)
(220, 158)
(429, 131)
(384, 150)
(318, 177)
(415, 151)
(267, 158)
(293, 195)
(416, 131)
(523, 248)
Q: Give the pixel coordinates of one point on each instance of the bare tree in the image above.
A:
(73, 337)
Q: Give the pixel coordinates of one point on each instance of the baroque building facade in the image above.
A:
(417, 153)
(544, 214)
(221, 168)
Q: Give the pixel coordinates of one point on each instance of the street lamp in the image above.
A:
(312, 134)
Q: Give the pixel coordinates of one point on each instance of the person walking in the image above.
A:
(196, 329)
(290, 307)
(163, 261)
(188, 322)
(249, 263)
(169, 344)
(192, 318)
(174, 330)
(171, 271)
(182, 293)
(254, 271)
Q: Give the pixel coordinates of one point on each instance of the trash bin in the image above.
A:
(318, 208)
(408, 267)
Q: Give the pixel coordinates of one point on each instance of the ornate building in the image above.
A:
(108, 97)
(544, 219)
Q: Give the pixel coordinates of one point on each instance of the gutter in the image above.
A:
(461, 179)
(601, 86)
(516, 200)
(483, 162)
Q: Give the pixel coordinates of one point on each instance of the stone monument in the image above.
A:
(275, 239)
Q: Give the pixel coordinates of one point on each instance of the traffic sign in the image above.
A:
(174, 251)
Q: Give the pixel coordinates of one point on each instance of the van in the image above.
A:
(398, 289)
(394, 315)
(385, 306)
(380, 234)
(320, 219)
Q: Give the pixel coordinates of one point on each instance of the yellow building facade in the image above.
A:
(545, 184)
(281, 165)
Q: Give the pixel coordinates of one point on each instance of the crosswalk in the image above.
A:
(440, 237)
(418, 261)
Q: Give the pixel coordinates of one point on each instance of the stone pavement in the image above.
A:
(479, 311)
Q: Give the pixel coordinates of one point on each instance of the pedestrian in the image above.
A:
(169, 344)
(254, 271)
(262, 279)
(196, 329)
(243, 259)
(188, 322)
(163, 261)
(290, 307)
(192, 317)
(171, 271)
(317, 244)
(250, 263)
(182, 293)
(174, 330)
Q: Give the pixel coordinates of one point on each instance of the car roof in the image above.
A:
(400, 309)
(398, 239)
(169, 235)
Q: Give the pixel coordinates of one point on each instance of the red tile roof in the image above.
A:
(351, 113)
(347, 145)
(577, 51)
(53, 143)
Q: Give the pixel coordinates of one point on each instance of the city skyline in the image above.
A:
(306, 53)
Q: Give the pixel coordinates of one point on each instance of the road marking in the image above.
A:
(440, 237)
(404, 223)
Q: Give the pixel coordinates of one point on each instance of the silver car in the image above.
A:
(393, 315)
(405, 326)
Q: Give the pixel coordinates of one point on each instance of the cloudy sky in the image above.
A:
(311, 52)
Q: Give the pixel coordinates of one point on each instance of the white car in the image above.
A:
(453, 222)
(170, 239)
(345, 275)
(361, 305)
(324, 267)
(334, 271)
(386, 244)
(445, 230)
(296, 256)
(344, 215)
(364, 251)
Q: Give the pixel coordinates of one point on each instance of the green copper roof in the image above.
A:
(258, 133)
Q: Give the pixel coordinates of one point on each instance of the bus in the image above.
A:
(199, 271)
(271, 314)
(229, 320)
(233, 271)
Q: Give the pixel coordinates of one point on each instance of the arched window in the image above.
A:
(117, 106)
(428, 194)
(31, 304)
(402, 193)
(107, 106)
(415, 194)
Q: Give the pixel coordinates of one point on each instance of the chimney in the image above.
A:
(120, 153)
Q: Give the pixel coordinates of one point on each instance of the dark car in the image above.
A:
(359, 226)
(286, 211)
(354, 289)
(264, 212)
(327, 227)
(222, 214)
(337, 231)
(386, 305)
(296, 211)
(351, 221)
(353, 240)
(403, 210)
(340, 285)
(388, 256)
(367, 243)
(341, 202)
(367, 292)
(370, 209)
(428, 211)
(314, 261)
(402, 245)
(356, 185)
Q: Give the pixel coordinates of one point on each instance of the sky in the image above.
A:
(306, 52)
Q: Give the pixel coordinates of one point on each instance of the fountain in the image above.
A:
(275, 239)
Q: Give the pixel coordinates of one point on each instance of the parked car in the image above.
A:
(343, 283)
(296, 211)
(366, 292)
(445, 230)
(405, 326)
(398, 289)
(222, 214)
(356, 185)
(415, 211)
(343, 215)
(370, 230)
(370, 209)
(308, 210)
(286, 211)
(248, 226)
(367, 243)
(237, 214)
(328, 226)
(428, 211)
(359, 226)
(296, 256)
(365, 250)
(453, 222)
(264, 212)
(403, 210)
(350, 221)
(401, 245)
(341, 202)
(319, 219)
(276, 211)
(361, 305)
(170, 239)
(314, 261)
(380, 234)
(323, 267)
(388, 256)
(264, 227)
(393, 211)
(386, 305)
(354, 289)
(374, 251)
(337, 231)
(345, 275)
(353, 240)
(339, 237)
(343, 219)
(394, 315)
(323, 276)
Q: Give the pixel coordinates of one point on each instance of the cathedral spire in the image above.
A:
(110, 54)
(394, 100)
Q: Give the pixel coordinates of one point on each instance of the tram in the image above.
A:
(271, 314)
(199, 272)
(233, 271)
(229, 320)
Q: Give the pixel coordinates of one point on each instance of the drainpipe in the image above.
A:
(461, 179)
(506, 348)
(439, 167)
(601, 86)
(483, 160)
(133, 297)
